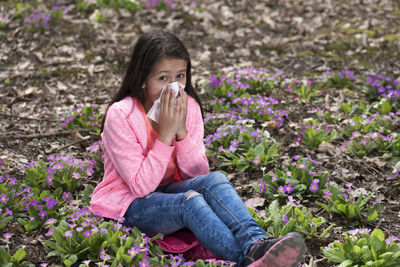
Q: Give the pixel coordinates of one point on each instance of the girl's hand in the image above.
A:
(182, 101)
(169, 117)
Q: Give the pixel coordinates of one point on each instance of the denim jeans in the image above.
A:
(208, 205)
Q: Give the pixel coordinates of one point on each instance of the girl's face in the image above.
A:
(167, 70)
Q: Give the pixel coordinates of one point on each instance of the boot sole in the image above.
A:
(287, 252)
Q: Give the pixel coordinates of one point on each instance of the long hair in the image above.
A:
(149, 49)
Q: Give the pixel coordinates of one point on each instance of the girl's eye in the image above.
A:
(163, 78)
(180, 76)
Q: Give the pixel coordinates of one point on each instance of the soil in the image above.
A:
(79, 61)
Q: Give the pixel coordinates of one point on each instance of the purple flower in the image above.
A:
(67, 196)
(1, 161)
(262, 187)
(49, 180)
(76, 175)
(103, 255)
(288, 188)
(256, 161)
(9, 212)
(391, 239)
(364, 141)
(68, 234)
(58, 166)
(301, 166)
(327, 193)
(281, 190)
(315, 181)
(144, 263)
(4, 198)
(285, 219)
(133, 251)
(50, 232)
(88, 233)
(42, 214)
(314, 188)
(7, 235)
(86, 262)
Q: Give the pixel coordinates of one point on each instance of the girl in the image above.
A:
(156, 173)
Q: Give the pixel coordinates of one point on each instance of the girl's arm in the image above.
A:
(190, 151)
(141, 173)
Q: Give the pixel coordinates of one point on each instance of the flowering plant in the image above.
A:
(257, 108)
(342, 79)
(66, 173)
(39, 206)
(235, 83)
(302, 91)
(11, 195)
(95, 154)
(57, 11)
(278, 221)
(351, 205)
(371, 143)
(300, 177)
(362, 248)
(312, 133)
(369, 124)
(86, 237)
(82, 117)
(213, 121)
(242, 146)
(380, 86)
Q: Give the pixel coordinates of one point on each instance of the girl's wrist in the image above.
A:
(165, 139)
(181, 135)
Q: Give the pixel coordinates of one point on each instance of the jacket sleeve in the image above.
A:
(141, 173)
(190, 151)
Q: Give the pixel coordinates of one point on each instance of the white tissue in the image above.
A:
(154, 112)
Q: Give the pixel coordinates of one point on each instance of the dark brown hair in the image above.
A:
(149, 49)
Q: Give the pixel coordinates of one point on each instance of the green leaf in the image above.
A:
(68, 263)
(379, 234)
(120, 252)
(4, 256)
(19, 255)
(259, 149)
(373, 216)
(346, 263)
(386, 108)
(324, 206)
(73, 258)
(334, 255)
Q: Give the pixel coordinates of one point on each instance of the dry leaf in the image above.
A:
(270, 125)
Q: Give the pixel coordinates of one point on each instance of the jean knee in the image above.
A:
(217, 178)
(191, 194)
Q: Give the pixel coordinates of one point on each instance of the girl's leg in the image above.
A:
(222, 197)
(166, 213)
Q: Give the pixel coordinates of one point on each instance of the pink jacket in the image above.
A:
(130, 170)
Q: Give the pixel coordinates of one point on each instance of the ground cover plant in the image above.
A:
(305, 126)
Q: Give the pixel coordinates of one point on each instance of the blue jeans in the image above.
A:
(208, 205)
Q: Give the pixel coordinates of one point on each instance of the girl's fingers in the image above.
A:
(171, 99)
